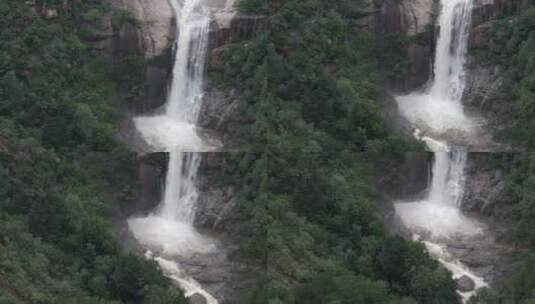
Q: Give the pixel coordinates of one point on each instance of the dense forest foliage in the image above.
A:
(513, 47)
(519, 199)
(58, 157)
(309, 87)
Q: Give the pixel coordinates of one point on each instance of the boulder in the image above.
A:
(465, 284)
(197, 299)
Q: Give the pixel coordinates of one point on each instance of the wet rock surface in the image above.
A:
(221, 272)
(484, 94)
(414, 19)
(220, 114)
(155, 31)
(197, 299)
(465, 284)
(485, 10)
(485, 192)
(483, 255)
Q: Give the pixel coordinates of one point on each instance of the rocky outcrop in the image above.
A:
(220, 109)
(485, 10)
(217, 207)
(399, 177)
(410, 17)
(197, 299)
(402, 175)
(144, 28)
(414, 19)
(484, 95)
(220, 114)
(485, 188)
(155, 29)
(232, 26)
(484, 92)
(465, 284)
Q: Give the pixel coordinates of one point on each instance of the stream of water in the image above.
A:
(437, 112)
(168, 231)
(437, 115)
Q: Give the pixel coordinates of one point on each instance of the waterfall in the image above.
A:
(438, 116)
(175, 130)
(437, 111)
(168, 231)
(180, 189)
(438, 217)
(437, 220)
(452, 45)
(447, 186)
(188, 71)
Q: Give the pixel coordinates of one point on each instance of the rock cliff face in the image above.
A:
(484, 80)
(399, 177)
(150, 36)
(485, 197)
(486, 10)
(408, 17)
(220, 110)
(222, 273)
(485, 189)
(155, 31)
(414, 19)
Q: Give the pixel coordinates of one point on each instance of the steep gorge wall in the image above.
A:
(414, 20)
(151, 37)
(220, 110)
(484, 91)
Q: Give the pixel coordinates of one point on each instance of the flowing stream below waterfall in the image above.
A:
(168, 233)
(439, 120)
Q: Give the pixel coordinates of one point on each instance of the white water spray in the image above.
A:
(437, 220)
(169, 230)
(175, 130)
(438, 217)
(438, 110)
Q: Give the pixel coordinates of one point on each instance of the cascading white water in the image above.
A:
(447, 186)
(169, 230)
(437, 220)
(438, 110)
(175, 130)
(452, 45)
(438, 217)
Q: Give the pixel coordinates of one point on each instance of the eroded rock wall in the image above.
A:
(156, 26)
(413, 19)
(220, 109)
(149, 36)
(408, 17)
(484, 93)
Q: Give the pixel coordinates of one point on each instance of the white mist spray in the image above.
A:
(169, 230)
(437, 219)
(438, 110)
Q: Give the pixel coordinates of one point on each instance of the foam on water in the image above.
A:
(169, 237)
(438, 215)
(169, 229)
(165, 134)
(457, 268)
(188, 284)
(435, 116)
(438, 109)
